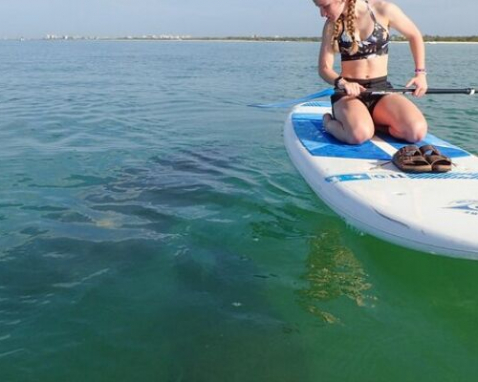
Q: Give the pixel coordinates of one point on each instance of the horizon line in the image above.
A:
(396, 37)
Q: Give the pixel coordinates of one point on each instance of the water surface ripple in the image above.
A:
(152, 227)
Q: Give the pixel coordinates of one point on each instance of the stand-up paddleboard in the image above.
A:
(430, 212)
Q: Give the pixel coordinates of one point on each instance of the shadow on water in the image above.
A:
(345, 263)
(383, 310)
(442, 289)
(424, 307)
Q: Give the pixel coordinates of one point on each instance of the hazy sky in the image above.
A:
(36, 18)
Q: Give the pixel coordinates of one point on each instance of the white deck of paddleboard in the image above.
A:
(435, 213)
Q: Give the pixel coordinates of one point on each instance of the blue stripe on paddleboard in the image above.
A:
(400, 175)
(309, 130)
(445, 147)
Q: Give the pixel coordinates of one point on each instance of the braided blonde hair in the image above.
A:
(349, 25)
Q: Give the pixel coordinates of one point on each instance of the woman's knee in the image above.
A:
(360, 134)
(415, 130)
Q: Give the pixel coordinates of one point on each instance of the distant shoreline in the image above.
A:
(290, 41)
(397, 39)
(264, 41)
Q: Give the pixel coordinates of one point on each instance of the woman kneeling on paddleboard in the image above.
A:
(359, 31)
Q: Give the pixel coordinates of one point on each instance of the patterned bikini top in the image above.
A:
(374, 45)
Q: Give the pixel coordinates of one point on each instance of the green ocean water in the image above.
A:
(152, 227)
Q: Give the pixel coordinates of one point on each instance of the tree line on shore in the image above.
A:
(398, 38)
(426, 38)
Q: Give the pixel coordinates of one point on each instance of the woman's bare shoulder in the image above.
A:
(384, 8)
(328, 29)
(328, 25)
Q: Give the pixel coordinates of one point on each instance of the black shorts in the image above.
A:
(370, 101)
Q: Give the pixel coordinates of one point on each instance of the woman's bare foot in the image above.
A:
(326, 120)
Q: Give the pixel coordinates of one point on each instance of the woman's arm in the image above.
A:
(326, 63)
(399, 21)
(326, 55)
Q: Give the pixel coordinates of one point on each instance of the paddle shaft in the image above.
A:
(330, 91)
(469, 91)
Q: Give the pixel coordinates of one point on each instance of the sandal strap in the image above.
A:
(413, 160)
(429, 150)
(409, 150)
(410, 155)
(438, 159)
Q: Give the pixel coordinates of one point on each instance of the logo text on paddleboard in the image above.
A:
(398, 175)
(467, 206)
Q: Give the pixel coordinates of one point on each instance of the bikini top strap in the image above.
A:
(372, 15)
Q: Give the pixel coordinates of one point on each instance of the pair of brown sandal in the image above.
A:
(424, 159)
